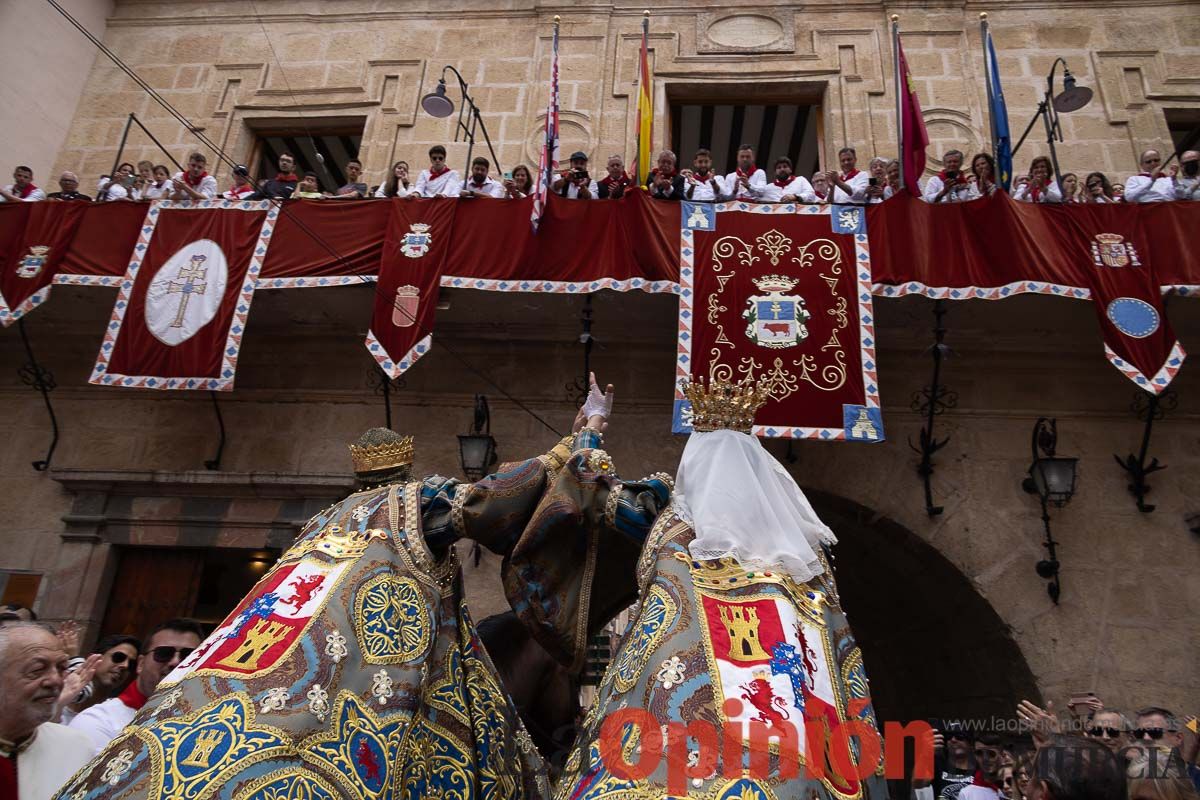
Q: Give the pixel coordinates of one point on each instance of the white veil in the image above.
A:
(741, 502)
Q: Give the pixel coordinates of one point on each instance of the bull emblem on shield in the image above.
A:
(776, 320)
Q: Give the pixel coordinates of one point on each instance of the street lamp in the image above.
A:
(477, 449)
(437, 104)
(1052, 479)
(1072, 98)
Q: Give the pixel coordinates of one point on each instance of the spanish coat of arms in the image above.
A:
(33, 262)
(1111, 250)
(776, 320)
(417, 241)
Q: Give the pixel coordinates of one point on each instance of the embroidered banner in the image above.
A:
(34, 238)
(414, 253)
(181, 311)
(781, 293)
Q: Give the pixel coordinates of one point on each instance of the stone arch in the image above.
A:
(933, 646)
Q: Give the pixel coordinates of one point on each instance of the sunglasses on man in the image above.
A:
(1111, 733)
(1149, 733)
(163, 655)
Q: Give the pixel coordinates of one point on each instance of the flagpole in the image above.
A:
(899, 96)
(987, 79)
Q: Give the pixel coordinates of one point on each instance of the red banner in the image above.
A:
(781, 294)
(325, 243)
(34, 238)
(1120, 257)
(180, 314)
(419, 236)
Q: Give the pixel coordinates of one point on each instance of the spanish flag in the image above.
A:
(645, 108)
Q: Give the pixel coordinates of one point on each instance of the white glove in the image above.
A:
(597, 403)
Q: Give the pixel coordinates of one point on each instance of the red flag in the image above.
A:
(181, 312)
(34, 237)
(913, 136)
(414, 255)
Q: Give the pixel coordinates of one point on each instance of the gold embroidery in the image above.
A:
(610, 505)
(392, 620)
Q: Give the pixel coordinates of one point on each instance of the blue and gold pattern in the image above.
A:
(190, 753)
(293, 783)
(659, 613)
(434, 765)
(392, 620)
(359, 748)
(449, 695)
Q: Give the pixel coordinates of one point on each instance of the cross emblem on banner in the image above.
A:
(190, 281)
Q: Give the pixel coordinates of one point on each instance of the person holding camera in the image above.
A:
(664, 181)
(575, 183)
(118, 186)
(951, 184)
(1187, 177)
(953, 762)
(700, 183)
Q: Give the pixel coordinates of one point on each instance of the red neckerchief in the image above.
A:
(746, 175)
(624, 180)
(669, 175)
(1035, 191)
(133, 697)
(437, 173)
(819, 193)
(783, 184)
(25, 192)
(961, 179)
(187, 178)
(979, 780)
(849, 175)
(286, 177)
(238, 191)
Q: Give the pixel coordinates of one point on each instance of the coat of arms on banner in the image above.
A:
(776, 320)
(417, 241)
(33, 262)
(404, 307)
(1111, 250)
(268, 624)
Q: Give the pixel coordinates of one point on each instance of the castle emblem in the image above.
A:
(1111, 250)
(776, 320)
(417, 241)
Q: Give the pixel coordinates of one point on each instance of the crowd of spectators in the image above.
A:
(954, 183)
(58, 708)
(1093, 753)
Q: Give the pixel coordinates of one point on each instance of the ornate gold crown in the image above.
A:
(388, 455)
(724, 405)
(775, 283)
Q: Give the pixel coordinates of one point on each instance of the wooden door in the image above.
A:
(152, 585)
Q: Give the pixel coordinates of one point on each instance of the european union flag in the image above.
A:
(998, 111)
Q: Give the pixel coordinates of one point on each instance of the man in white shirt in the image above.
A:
(747, 182)
(1187, 177)
(194, 183)
(22, 188)
(951, 184)
(479, 184)
(1150, 185)
(700, 184)
(439, 179)
(36, 756)
(787, 188)
(850, 185)
(166, 646)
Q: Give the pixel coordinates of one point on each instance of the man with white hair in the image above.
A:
(36, 756)
(68, 182)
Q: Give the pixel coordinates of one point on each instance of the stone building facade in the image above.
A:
(952, 618)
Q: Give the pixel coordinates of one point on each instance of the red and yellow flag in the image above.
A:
(645, 108)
